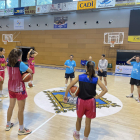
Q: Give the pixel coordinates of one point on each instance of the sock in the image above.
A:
(77, 132)
(21, 127)
(26, 84)
(65, 85)
(8, 123)
(32, 82)
(85, 138)
(131, 94)
(0, 92)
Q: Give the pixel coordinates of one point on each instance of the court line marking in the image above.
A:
(39, 127)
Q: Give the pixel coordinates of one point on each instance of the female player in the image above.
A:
(2, 71)
(31, 62)
(86, 103)
(17, 90)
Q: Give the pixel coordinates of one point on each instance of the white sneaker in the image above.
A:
(130, 96)
(33, 85)
(27, 87)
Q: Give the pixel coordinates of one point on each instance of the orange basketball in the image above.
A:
(30, 85)
(74, 91)
(26, 77)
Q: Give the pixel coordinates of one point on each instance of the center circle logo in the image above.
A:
(51, 100)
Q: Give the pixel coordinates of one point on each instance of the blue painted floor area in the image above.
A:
(81, 70)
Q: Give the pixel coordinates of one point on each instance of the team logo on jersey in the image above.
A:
(56, 98)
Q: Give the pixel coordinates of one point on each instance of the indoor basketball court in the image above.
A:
(60, 40)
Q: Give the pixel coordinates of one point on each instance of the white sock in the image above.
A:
(26, 84)
(8, 123)
(21, 127)
(77, 132)
(65, 85)
(85, 138)
(32, 82)
(131, 94)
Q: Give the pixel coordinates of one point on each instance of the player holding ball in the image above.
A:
(86, 103)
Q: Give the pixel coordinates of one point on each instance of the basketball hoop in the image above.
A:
(113, 38)
(112, 44)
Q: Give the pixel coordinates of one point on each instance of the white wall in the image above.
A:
(120, 19)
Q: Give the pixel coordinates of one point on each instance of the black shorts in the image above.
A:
(134, 82)
(103, 74)
(71, 75)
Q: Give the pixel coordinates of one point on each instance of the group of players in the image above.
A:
(17, 88)
(86, 102)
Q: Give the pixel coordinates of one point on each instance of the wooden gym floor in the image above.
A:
(124, 125)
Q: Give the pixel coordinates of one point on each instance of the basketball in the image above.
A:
(30, 85)
(74, 91)
(26, 77)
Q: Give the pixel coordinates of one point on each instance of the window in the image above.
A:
(43, 2)
(12, 3)
(25, 3)
(2, 4)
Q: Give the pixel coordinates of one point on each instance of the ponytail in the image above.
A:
(90, 70)
(13, 57)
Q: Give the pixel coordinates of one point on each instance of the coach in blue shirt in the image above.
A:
(90, 59)
(135, 76)
(70, 69)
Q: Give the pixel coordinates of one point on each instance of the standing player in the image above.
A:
(70, 69)
(2, 71)
(17, 90)
(102, 72)
(90, 59)
(135, 76)
(86, 103)
(31, 62)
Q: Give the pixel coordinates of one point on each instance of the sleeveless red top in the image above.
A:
(31, 61)
(15, 83)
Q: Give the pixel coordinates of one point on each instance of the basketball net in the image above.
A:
(112, 44)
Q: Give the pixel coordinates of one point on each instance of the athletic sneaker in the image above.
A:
(8, 127)
(76, 136)
(25, 131)
(130, 96)
(137, 100)
(27, 87)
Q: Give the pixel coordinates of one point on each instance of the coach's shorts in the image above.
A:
(71, 75)
(134, 82)
(103, 74)
(86, 107)
(18, 95)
